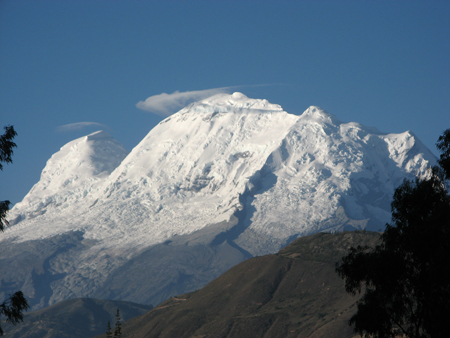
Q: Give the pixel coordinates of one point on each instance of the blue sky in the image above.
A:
(87, 64)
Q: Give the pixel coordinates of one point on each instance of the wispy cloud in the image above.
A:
(167, 104)
(78, 126)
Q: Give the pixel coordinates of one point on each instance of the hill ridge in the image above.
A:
(270, 296)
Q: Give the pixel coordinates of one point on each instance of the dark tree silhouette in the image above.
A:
(12, 309)
(6, 151)
(118, 326)
(443, 145)
(15, 304)
(405, 278)
(108, 330)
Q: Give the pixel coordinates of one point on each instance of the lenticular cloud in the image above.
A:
(78, 126)
(168, 104)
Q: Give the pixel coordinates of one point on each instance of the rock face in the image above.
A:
(222, 180)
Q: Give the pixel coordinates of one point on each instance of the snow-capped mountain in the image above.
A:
(221, 180)
(72, 174)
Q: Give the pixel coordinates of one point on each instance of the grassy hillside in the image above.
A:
(74, 318)
(295, 293)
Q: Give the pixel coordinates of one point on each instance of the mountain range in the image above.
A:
(224, 179)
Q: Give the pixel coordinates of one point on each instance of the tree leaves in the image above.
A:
(6, 145)
(13, 307)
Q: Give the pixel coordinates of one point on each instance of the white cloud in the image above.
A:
(78, 126)
(168, 104)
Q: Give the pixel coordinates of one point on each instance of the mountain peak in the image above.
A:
(73, 171)
(88, 155)
(317, 113)
(240, 101)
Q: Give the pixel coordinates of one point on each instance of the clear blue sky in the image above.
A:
(380, 63)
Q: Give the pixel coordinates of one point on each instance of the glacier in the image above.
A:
(222, 180)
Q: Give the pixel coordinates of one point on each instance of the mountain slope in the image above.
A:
(70, 175)
(295, 293)
(222, 180)
(74, 318)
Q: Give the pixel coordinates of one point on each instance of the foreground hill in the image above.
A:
(74, 318)
(295, 293)
(222, 180)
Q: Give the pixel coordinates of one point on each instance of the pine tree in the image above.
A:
(108, 330)
(118, 327)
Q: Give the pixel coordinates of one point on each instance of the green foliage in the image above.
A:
(405, 278)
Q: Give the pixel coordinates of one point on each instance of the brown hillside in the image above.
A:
(295, 293)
